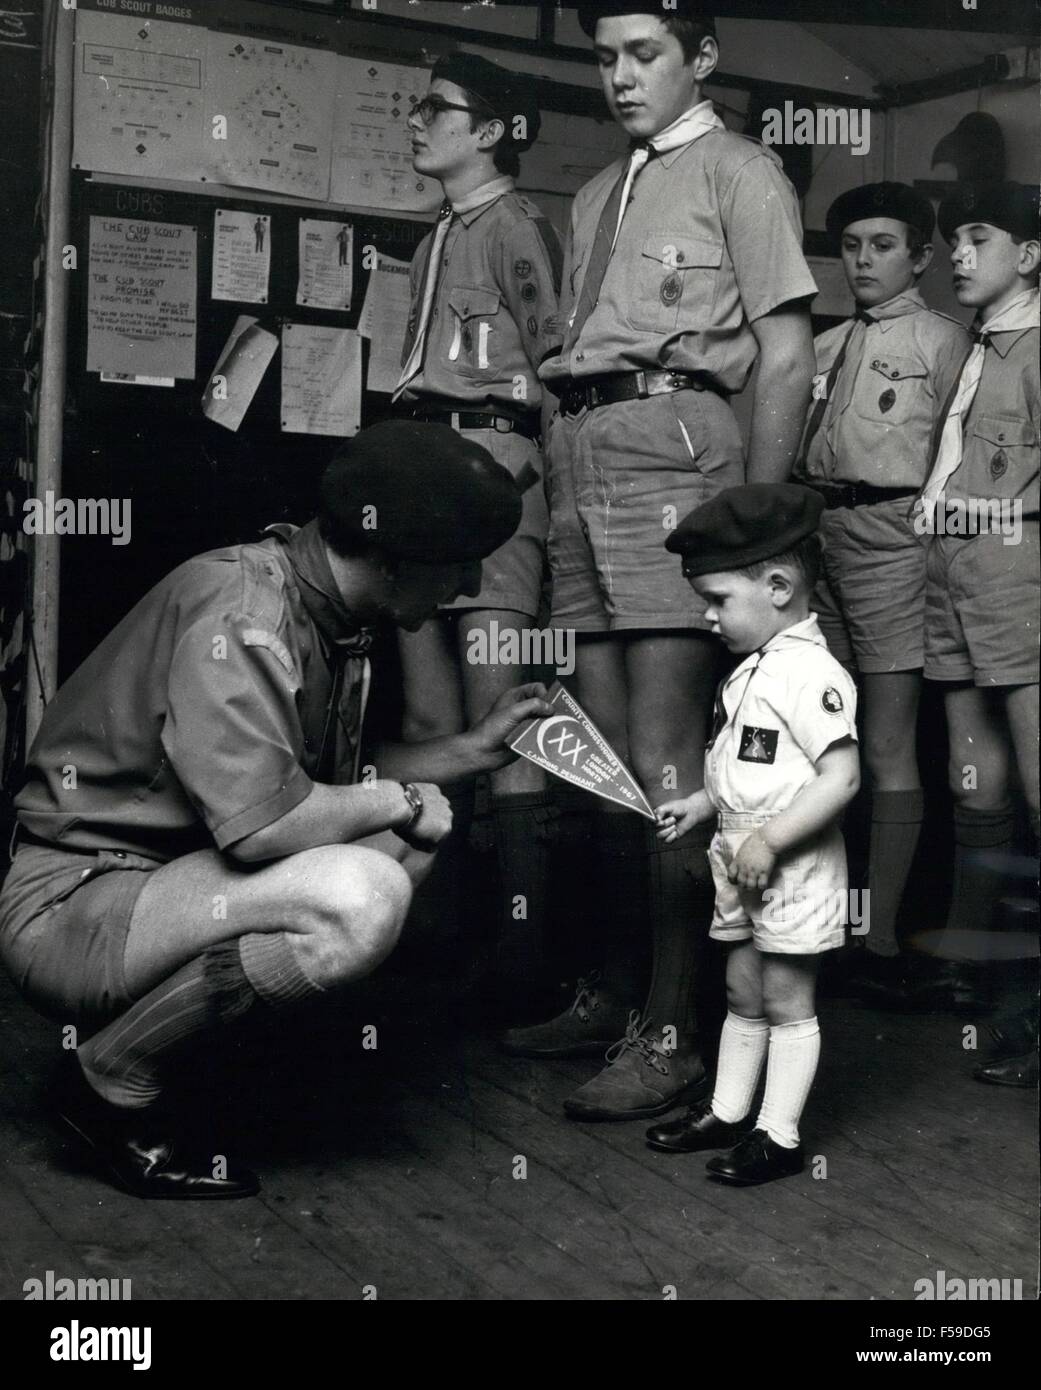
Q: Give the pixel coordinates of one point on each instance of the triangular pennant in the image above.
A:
(568, 744)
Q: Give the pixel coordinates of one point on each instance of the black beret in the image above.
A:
(1012, 207)
(743, 525)
(506, 94)
(589, 13)
(896, 200)
(437, 496)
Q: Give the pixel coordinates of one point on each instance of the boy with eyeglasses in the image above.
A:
(484, 303)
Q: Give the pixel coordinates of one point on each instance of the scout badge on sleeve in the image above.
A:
(568, 744)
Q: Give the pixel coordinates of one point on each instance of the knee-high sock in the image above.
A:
(123, 1062)
(680, 899)
(524, 825)
(975, 887)
(790, 1068)
(742, 1051)
(896, 823)
(621, 895)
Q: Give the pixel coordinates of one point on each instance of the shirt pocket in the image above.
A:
(473, 330)
(675, 275)
(889, 388)
(1004, 456)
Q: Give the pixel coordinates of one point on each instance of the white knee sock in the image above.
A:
(742, 1051)
(790, 1069)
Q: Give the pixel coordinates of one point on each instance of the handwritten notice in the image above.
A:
(326, 256)
(384, 317)
(241, 256)
(321, 380)
(141, 300)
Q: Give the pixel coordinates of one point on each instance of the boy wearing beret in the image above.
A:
(684, 265)
(983, 584)
(484, 302)
(781, 766)
(883, 377)
(192, 839)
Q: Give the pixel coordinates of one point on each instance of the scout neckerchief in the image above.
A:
(1021, 314)
(344, 644)
(824, 388)
(720, 717)
(431, 271)
(698, 121)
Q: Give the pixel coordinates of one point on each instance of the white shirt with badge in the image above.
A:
(776, 713)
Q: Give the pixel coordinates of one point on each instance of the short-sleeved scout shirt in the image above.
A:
(710, 242)
(1001, 451)
(878, 425)
(199, 719)
(494, 316)
(776, 713)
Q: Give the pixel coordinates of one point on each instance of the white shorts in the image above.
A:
(802, 913)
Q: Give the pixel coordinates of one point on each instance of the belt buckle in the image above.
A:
(641, 385)
(502, 425)
(592, 397)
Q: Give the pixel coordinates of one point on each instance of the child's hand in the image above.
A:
(753, 865)
(675, 818)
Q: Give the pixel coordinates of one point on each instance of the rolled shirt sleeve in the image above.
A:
(232, 731)
(529, 276)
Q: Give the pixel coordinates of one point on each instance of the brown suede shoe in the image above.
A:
(592, 1023)
(643, 1078)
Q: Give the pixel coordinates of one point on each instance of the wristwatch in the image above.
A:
(414, 797)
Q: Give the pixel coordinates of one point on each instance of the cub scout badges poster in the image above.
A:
(568, 744)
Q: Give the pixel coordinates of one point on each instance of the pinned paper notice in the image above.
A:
(241, 256)
(568, 744)
(321, 380)
(233, 382)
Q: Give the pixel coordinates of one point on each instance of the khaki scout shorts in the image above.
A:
(981, 609)
(64, 918)
(804, 910)
(511, 577)
(620, 478)
(870, 601)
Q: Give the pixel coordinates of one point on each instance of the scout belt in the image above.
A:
(593, 391)
(474, 420)
(855, 494)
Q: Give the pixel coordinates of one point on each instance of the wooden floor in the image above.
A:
(395, 1168)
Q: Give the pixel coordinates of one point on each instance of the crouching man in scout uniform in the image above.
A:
(484, 302)
(979, 509)
(189, 843)
(684, 263)
(883, 378)
(780, 769)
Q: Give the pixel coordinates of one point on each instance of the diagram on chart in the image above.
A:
(277, 101)
(139, 96)
(372, 156)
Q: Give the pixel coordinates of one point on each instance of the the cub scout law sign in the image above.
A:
(570, 745)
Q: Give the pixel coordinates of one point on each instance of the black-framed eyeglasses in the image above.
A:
(431, 107)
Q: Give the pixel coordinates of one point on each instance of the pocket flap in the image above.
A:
(683, 252)
(472, 302)
(998, 431)
(898, 368)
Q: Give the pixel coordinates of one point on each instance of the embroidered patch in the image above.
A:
(999, 464)
(887, 400)
(522, 269)
(671, 289)
(533, 325)
(831, 701)
(757, 745)
(529, 292)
